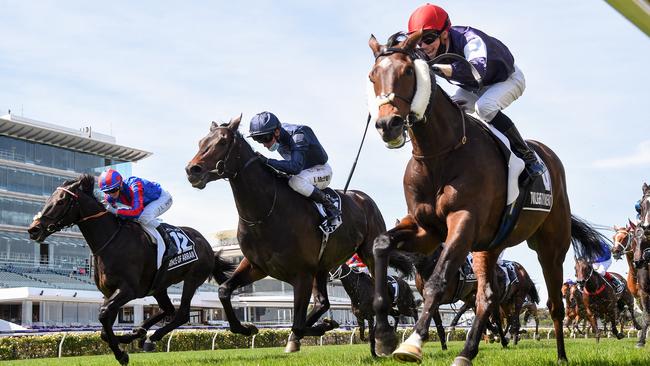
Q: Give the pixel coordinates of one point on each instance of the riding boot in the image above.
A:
(330, 208)
(533, 167)
(172, 249)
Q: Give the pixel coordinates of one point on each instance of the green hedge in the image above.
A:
(81, 344)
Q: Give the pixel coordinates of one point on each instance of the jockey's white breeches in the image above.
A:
(492, 98)
(318, 176)
(602, 267)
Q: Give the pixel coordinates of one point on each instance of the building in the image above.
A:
(50, 284)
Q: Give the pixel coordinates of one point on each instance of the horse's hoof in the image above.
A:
(385, 348)
(620, 336)
(462, 361)
(149, 346)
(408, 353)
(331, 323)
(640, 345)
(124, 359)
(292, 346)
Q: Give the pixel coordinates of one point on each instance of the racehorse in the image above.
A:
(359, 286)
(575, 308)
(642, 262)
(458, 288)
(529, 309)
(125, 261)
(512, 303)
(625, 243)
(600, 298)
(278, 230)
(455, 188)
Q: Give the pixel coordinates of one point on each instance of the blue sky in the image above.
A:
(155, 73)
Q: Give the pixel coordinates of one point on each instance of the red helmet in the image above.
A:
(429, 17)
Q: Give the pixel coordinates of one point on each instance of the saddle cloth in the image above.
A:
(392, 282)
(185, 253)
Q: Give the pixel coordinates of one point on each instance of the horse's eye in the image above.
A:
(59, 202)
(409, 71)
(221, 142)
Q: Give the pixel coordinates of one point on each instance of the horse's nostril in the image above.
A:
(395, 122)
(195, 169)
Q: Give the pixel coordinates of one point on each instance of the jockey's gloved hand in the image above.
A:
(111, 209)
(263, 158)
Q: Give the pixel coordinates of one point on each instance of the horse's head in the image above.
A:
(623, 241)
(584, 272)
(399, 88)
(641, 256)
(215, 158)
(63, 208)
(575, 296)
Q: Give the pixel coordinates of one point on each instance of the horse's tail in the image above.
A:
(222, 268)
(402, 263)
(532, 291)
(586, 240)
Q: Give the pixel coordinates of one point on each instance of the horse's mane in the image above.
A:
(87, 184)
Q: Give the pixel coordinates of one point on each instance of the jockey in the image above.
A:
(145, 201)
(356, 263)
(304, 157)
(503, 81)
(602, 262)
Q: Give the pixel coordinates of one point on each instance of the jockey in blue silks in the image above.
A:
(145, 201)
(305, 158)
(601, 263)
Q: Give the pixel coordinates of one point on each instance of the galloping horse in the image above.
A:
(625, 243)
(529, 310)
(278, 230)
(455, 188)
(125, 261)
(642, 262)
(600, 298)
(360, 286)
(575, 308)
(513, 302)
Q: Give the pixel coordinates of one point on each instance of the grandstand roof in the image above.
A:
(84, 140)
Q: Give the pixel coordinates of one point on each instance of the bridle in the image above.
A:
(628, 240)
(58, 224)
(222, 170)
(412, 117)
(338, 273)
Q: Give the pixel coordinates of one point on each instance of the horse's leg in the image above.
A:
(439, 328)
(371, 336)
(629, 301)
(302, 287)
(166, 309)
(613, 315)
(594, 324)
(644, 292)
(484, 264)
(243, 275)
(321, 301)
(536, 317)
(463, 309)
(107, 314)
(515, 325)
(362, 328)
(182, 315)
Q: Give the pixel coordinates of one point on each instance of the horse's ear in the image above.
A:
(412, 40)
(632, 224)
(374, 45)
(616, 228)
(234, 123)
(645, 186)
(214, 126)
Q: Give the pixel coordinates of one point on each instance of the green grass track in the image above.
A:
(528, 352)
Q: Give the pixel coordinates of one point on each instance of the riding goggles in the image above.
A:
(429, 38)
(263, 139)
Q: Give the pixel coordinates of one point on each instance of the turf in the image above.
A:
(528, 352)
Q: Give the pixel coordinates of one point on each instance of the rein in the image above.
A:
(221, 169)
(275, 198)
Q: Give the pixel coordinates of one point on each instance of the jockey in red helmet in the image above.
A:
(503, 81)
(144, 201)
(356, 263)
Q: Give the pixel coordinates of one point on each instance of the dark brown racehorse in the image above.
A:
(458, 289)
(455, 187)
(529, 309)
(625, 244)
(125, 261)
(513, 301)
(642, 262)
(360, 288)
(278, 230)
(600, 299)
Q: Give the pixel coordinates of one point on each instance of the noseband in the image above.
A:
(59, 225)
(628, 240)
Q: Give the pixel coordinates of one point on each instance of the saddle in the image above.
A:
(466, 276)
(511, 273)
(535, 195)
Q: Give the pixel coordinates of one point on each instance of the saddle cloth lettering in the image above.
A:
(186, 247)
(392, 282)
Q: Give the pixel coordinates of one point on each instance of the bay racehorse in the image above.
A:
(624, 244)
(574, 308)
(455, 188)
(642, 262)
(360, 288)
(125, 261)
(512, 303)
(278, 230)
